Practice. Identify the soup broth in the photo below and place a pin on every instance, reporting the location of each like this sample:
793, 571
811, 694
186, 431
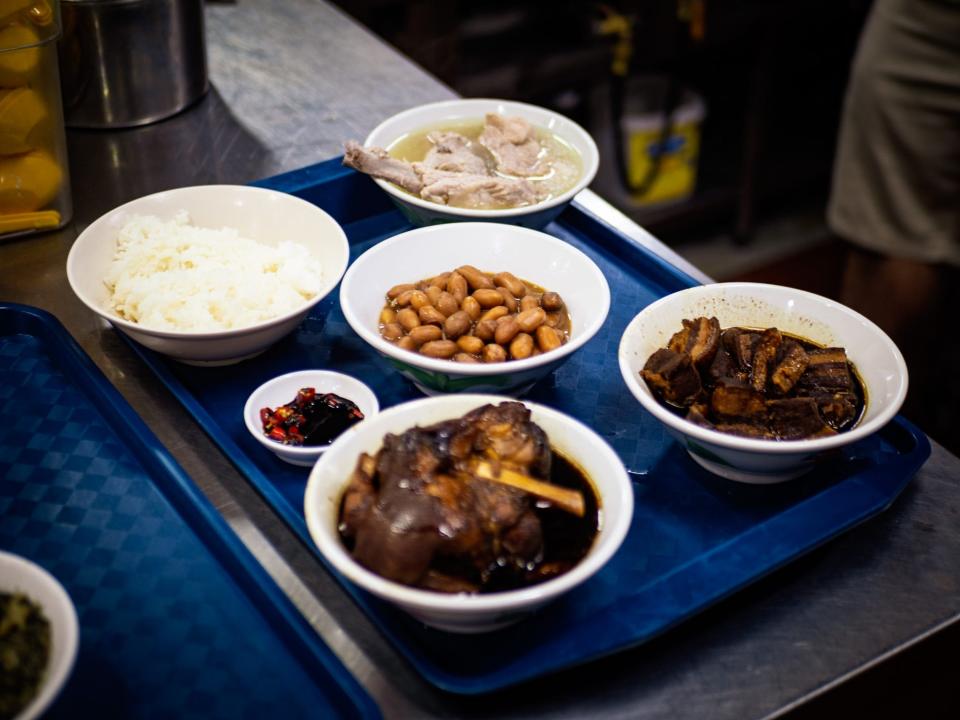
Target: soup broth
563, 162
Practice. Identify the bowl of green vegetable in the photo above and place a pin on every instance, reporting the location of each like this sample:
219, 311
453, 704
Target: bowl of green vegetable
39, 636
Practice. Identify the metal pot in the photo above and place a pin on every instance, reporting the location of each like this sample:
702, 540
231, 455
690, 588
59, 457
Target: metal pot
131, 62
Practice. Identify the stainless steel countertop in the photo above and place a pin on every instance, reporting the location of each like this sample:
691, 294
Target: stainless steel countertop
291, 81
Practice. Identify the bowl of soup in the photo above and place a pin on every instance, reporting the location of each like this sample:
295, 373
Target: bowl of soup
478, 159
760, 382
402, 506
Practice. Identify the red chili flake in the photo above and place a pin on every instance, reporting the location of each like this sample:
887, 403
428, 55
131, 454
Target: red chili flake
309, 419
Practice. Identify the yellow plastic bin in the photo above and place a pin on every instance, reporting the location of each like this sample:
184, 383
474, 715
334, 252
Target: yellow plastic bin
34, 180
642, 125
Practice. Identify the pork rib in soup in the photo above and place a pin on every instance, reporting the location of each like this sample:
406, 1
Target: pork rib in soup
501, 162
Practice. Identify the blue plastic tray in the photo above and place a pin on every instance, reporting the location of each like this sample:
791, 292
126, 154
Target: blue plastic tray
694, 539
177, 619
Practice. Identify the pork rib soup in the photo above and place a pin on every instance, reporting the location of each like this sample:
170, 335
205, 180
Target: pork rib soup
490, 164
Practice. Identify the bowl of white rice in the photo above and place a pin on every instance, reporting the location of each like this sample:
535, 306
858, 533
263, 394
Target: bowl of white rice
211, 274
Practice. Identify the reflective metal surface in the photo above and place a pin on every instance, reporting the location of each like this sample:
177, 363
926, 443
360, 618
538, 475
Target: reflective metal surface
131, 62
291, 81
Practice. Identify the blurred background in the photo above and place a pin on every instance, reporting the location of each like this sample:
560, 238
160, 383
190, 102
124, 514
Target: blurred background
717, 123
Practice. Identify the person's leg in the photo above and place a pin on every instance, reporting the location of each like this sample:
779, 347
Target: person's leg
896, 184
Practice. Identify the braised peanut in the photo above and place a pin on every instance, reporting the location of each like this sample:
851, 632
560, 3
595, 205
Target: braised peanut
457, 286
485, 330
470, 316
507, 329
471, 307
495, 313
457, 324
509, 301
393, 292
408, 319
392, 331
425, 333
547, 338
433, 292
511, 283
476, 279
429, 315
494, 353
387, 316
418, 299
528, 302
521, 346
447, 304
551, 301
470, 344
439, 349
530, 320
403, 299
488, 298
439, 281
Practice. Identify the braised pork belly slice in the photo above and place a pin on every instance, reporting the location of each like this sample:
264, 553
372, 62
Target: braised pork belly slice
791, 365
672, 376
797, 419
699, 338
827, 379
738, 403
764, 357
740, 344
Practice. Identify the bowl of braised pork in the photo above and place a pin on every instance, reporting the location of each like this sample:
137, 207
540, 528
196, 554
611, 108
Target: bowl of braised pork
760, 382
478, 159
474, 307
469, 512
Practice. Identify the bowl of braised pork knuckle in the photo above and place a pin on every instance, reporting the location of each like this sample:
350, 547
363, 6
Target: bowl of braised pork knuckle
469, 512
758, 382
474, 307
478, 159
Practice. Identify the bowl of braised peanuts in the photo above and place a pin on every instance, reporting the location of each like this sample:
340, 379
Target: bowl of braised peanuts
474, 307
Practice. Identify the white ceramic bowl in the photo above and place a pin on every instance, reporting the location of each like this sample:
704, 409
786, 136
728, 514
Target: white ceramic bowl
283, 389
266, 216
467, 613
816, 318
19, 575
529, 254
424, 212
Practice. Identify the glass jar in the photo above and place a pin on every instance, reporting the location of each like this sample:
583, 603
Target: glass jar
34, 176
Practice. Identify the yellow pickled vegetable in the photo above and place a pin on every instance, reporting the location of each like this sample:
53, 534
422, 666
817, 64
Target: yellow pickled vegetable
28, 182
11, 10
22, 112
18, 66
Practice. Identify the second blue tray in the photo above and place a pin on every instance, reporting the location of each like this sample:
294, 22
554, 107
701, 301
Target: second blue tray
694, 539
177, 619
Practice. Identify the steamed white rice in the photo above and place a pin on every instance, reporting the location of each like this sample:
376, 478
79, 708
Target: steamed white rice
171, 275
